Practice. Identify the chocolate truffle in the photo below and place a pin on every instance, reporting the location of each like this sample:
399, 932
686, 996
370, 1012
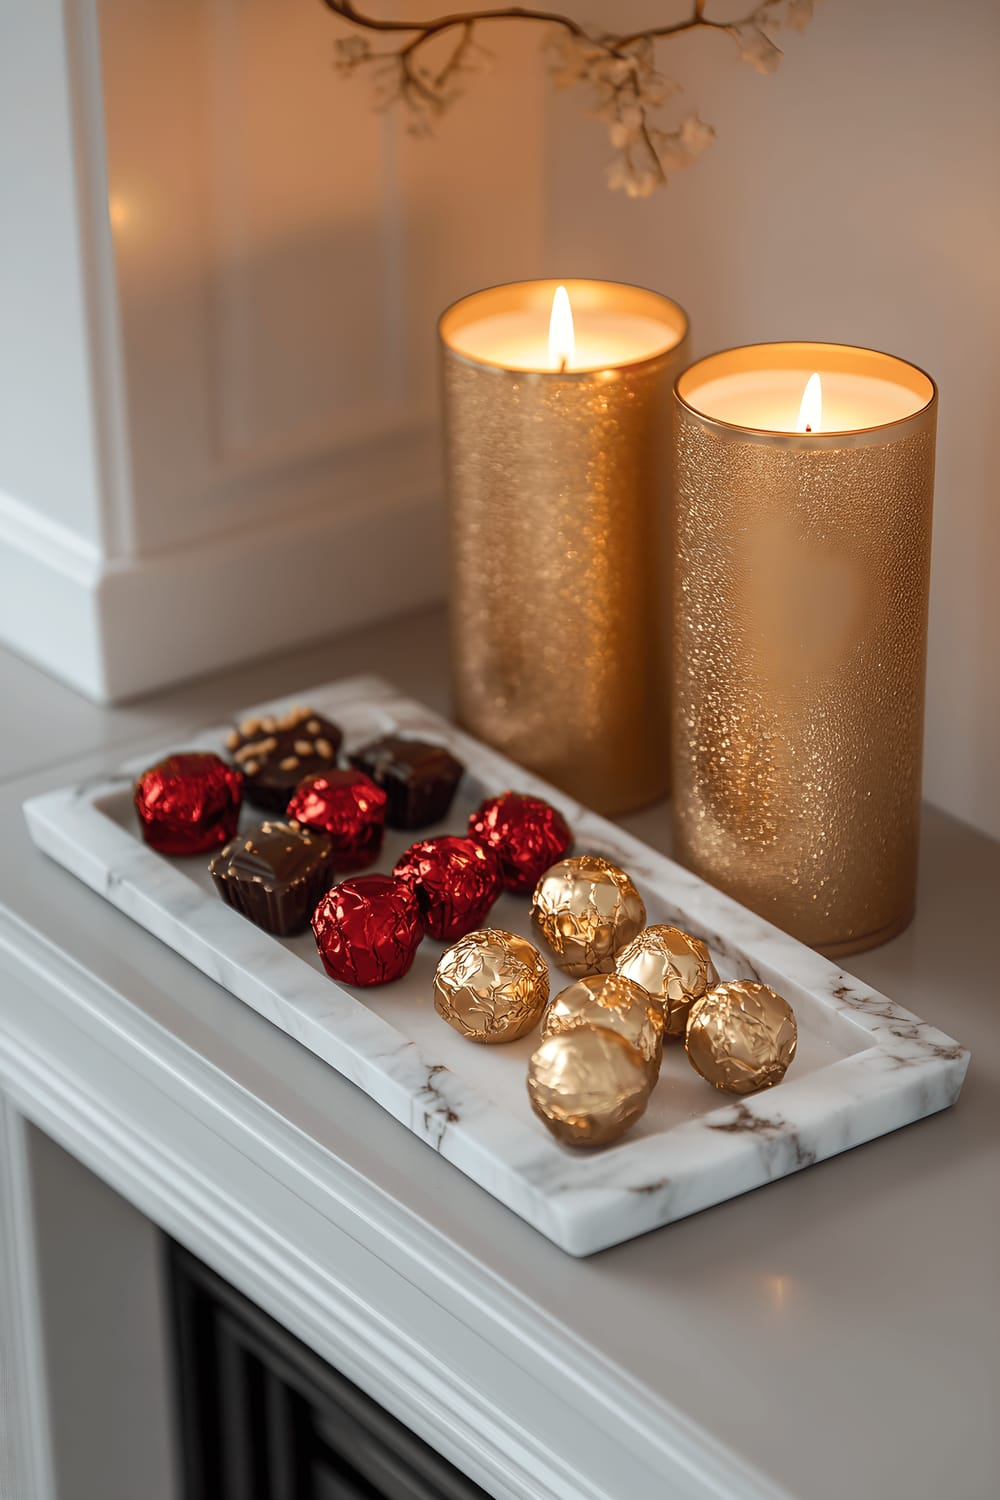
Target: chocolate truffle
455, 881
675, 969
491, 986
586, 909
276, 751
188, 803
588, 1086
741, 1037
419, 778
615, 1003
349, 808
525, 833
367, 930
274, 874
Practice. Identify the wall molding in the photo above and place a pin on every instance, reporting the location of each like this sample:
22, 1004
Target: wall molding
324, 562
109, 404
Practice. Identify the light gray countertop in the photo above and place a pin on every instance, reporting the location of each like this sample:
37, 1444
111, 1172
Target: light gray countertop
838, 1331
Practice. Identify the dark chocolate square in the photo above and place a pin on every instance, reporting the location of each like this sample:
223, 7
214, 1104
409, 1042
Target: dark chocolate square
418, 777
274, 875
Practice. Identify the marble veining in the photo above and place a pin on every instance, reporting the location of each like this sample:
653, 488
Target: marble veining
873, 1066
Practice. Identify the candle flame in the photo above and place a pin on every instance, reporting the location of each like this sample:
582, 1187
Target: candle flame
811, 410
562, 339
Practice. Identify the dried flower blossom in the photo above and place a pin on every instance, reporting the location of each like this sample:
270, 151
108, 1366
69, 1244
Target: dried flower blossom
351, 51
424, 66
800, 13
757, 48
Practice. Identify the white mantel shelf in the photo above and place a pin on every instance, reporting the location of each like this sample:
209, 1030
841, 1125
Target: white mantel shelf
837, 1333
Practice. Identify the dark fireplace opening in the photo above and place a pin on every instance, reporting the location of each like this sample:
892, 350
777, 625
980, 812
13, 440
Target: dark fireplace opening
261, 1417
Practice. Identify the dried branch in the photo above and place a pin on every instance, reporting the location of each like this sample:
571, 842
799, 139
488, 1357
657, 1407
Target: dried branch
627, 90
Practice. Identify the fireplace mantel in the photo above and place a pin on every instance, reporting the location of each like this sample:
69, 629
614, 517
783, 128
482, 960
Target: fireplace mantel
830, 1334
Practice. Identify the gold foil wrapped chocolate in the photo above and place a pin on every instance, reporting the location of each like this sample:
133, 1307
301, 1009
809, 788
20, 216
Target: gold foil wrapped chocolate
617, 1004
741, 1037
588, 1085
492, 986
586, 909
673, 967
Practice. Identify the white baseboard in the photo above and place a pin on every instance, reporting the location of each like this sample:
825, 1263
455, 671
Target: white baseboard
50, 583
119, 629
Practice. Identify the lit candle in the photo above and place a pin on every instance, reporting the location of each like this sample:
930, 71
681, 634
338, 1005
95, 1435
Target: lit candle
811, 405
802, 551
557, 417
769, 400
603, 329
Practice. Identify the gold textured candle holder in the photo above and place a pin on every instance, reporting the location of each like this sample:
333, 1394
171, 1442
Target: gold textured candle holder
558, 490
800, 632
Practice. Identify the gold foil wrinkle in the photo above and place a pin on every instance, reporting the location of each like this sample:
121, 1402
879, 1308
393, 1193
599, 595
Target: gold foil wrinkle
741, 1037
588, 1086
615, 1003
585, 909
491, 986
675, 969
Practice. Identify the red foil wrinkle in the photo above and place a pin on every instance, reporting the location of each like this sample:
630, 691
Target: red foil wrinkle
368, 930
526, 834
455, 881
188, 803
349, 808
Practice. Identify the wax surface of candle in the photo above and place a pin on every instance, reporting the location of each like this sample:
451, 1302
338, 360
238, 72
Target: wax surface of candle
770, 400
519, 340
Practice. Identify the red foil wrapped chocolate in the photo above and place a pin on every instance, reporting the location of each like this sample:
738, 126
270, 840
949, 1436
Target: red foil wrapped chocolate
349, 808
368, 930
188, 803
455, 881
526, 834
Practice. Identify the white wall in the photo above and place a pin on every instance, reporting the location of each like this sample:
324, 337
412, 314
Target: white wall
254, 260
282, 252
853, 196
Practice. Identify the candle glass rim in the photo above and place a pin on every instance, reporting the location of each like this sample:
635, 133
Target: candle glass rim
828, 438
667, 351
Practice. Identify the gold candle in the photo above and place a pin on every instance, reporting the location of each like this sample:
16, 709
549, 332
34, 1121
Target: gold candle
557, 430
804, 485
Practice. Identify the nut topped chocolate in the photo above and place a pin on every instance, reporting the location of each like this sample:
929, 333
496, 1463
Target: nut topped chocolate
276, 751
419, 778
275, 874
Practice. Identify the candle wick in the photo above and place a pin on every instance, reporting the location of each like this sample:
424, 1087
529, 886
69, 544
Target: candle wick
562, 365
808, 427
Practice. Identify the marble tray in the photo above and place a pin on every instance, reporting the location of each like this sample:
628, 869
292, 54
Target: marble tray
864, 1067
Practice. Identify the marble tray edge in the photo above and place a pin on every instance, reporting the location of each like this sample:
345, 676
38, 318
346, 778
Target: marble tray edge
910, 1070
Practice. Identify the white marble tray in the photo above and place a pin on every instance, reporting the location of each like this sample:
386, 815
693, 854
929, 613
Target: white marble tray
864, 1066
